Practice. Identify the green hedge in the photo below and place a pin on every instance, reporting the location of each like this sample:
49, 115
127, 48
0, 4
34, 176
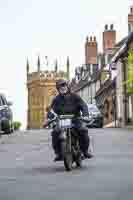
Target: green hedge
17, 125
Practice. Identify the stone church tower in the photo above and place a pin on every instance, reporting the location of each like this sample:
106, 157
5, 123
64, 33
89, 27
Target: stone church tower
41, 90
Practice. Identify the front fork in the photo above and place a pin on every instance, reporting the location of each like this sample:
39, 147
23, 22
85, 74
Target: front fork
69, 141
66, 137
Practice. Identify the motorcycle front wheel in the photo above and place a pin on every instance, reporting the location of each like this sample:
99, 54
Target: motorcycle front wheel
67, 156
68, 161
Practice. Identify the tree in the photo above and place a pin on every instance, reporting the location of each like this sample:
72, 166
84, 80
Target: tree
129, 81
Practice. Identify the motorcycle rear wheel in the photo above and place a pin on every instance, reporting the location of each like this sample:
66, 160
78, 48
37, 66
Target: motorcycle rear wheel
79, 161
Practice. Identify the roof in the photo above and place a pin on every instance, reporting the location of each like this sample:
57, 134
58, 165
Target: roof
120, 53
121, 42
83, 82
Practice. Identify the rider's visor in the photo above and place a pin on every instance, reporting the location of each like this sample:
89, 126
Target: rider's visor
62, 85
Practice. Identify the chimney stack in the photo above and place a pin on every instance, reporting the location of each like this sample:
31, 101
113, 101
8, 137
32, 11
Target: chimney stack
109, 38
91, 50
131, 10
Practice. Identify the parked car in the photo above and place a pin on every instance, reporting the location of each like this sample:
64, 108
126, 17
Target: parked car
96, 115
6, 115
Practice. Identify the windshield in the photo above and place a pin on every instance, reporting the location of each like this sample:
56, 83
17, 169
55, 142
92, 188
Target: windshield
92, 108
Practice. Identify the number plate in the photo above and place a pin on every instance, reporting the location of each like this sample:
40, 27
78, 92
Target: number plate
65, 123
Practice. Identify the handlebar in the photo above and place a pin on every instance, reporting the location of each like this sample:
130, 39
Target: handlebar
84, 119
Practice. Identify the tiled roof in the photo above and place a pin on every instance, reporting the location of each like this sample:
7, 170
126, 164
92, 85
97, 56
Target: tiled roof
123, 49
83, 82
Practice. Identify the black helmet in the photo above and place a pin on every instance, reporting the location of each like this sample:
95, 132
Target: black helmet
60, 83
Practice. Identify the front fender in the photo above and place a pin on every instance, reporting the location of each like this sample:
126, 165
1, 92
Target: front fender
63, 135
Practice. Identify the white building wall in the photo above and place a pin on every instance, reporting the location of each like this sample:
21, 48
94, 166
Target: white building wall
119, 93
130, 108
79, 92
93, 91
97, 85
89, 94
84, 94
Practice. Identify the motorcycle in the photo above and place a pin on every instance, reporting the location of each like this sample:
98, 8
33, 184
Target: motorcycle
70, 148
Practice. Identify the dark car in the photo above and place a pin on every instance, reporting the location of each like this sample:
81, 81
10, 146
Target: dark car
6, 116
96, 116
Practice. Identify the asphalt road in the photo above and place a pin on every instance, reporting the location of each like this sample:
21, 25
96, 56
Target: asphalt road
27, 170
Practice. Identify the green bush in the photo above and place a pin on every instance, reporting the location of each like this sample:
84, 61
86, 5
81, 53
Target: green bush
17, 125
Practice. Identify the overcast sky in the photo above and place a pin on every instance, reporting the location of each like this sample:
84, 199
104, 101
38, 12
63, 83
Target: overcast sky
53, 28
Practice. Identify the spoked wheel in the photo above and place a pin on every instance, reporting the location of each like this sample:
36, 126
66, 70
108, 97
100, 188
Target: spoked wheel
68, 161
67, 156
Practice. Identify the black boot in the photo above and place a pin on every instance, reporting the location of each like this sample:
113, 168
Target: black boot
87, 155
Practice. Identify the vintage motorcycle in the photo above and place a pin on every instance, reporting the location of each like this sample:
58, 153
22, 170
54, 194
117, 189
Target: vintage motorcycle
70, 148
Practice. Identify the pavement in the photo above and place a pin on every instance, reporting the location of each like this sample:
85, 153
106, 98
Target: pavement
113, 124
27, 170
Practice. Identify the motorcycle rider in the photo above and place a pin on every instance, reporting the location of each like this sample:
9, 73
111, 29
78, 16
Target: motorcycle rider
67, 102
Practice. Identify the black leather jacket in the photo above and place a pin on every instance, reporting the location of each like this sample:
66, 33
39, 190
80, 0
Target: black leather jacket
70, 103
